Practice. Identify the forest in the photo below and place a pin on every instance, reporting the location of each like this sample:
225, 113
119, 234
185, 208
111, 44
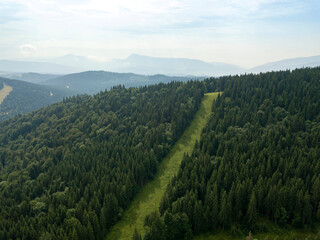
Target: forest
258, 159
68, 171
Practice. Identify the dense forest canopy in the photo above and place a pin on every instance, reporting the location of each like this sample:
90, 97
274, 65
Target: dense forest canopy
258, 158
69, 170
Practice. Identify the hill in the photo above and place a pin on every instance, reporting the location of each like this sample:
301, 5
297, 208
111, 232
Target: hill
69, 170
286, 64
148, 199
26, 97
172, 66
92, 82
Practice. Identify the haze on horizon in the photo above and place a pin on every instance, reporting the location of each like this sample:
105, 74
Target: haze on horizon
246, 33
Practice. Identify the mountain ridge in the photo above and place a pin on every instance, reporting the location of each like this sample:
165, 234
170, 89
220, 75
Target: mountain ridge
91, 82
34, 66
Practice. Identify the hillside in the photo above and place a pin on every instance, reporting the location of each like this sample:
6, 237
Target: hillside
69, 170
148, 199
4, 92
26, 97
92, 82
258, 161
90, 166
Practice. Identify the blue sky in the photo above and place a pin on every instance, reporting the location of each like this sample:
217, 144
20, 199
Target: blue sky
242, 32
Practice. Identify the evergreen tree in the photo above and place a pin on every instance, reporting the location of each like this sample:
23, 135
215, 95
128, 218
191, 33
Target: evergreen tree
252, 213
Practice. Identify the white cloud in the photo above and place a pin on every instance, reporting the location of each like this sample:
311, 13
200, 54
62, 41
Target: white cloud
124, 14
27, 49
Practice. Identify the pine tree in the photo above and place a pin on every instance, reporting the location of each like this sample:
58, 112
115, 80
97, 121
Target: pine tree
199, 220
307, 209
252, 213
224, 210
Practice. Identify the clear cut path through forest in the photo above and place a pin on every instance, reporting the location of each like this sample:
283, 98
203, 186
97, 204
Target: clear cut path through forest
148, 199
4, 92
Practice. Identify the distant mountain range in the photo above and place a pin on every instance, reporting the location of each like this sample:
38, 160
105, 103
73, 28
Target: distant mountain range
172, 66
75, 62
145, 65
92, 82
29, 77
38, 67
285, 64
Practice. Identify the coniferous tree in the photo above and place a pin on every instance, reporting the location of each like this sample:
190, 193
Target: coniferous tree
252, 213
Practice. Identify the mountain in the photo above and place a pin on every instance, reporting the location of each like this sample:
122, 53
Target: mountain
92, 82
29, 77
73, 169
146, 65
285, 64
26, 97
38, 67
79, 62
140, 64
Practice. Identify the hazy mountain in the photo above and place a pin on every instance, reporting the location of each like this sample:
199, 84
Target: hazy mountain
140, 64
91, 82
29, 77
26, 97
78, 62
38, 67
285, 64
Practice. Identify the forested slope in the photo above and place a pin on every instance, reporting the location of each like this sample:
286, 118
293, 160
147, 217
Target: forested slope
148, 199
92, 82
26, 97
67, 171
258, 159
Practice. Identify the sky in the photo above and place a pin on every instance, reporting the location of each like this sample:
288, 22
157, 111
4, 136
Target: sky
242, 32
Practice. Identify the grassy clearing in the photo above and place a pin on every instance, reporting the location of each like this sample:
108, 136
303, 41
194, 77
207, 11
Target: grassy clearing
5, 91
148, 200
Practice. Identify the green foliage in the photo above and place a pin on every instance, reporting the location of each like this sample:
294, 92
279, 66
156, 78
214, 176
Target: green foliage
68, 171
149, 198
258, 157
